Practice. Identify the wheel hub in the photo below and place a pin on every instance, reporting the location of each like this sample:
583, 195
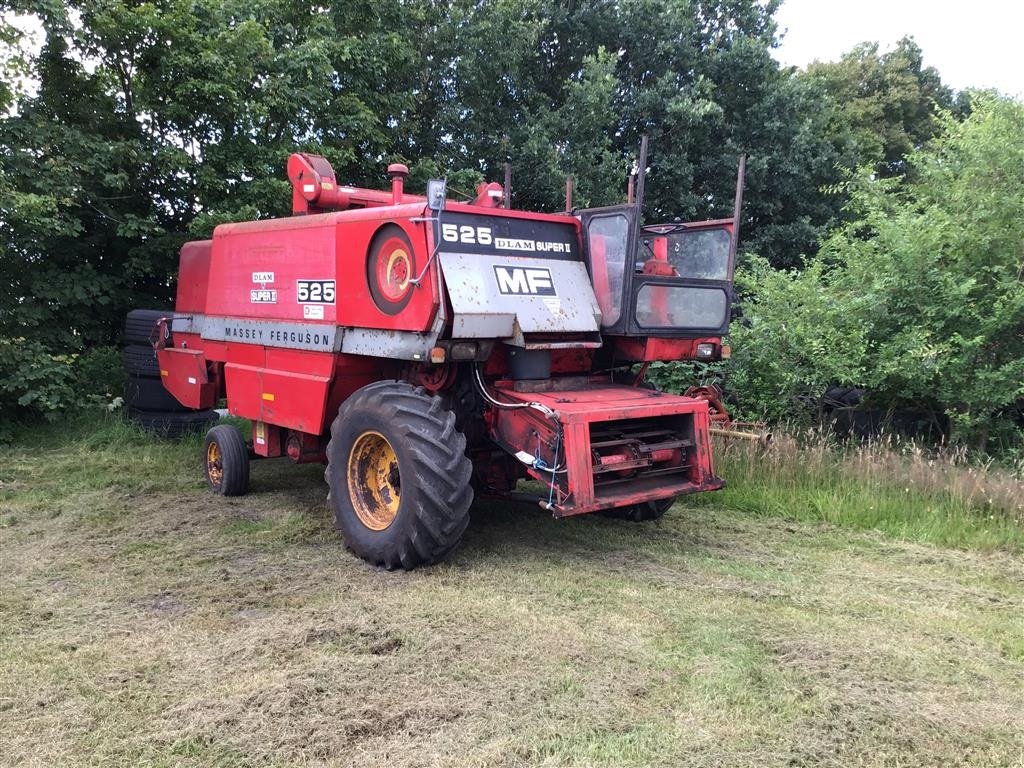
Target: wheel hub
214, 463
374, 481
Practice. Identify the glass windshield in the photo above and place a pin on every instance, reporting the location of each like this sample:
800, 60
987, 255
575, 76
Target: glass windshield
701, 254
669, 306
607, 238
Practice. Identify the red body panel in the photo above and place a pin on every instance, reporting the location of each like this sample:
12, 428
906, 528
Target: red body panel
580, 413
283, 398
193, 276
186, 375
648, 348
328, 246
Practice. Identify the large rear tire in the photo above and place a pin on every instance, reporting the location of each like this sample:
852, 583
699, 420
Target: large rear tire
399, 477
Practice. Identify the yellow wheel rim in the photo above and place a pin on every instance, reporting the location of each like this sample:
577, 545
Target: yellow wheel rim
214, 463
373, 481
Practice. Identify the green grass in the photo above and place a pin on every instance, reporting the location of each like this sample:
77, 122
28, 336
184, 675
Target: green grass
899, 490
144, 621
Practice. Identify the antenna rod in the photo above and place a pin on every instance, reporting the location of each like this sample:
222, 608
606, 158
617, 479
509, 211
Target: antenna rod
641, 174
568, 193
741, 176
507, 201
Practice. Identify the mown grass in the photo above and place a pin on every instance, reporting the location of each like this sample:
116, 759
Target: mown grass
144, 621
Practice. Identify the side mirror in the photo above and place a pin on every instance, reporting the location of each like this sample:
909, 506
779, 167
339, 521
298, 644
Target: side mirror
437, 190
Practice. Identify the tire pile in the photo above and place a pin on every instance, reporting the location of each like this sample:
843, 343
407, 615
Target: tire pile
146, 401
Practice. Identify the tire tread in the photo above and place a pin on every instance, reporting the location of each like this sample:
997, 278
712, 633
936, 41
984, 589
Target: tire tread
234, 457
139, 325
440, 512
140, 360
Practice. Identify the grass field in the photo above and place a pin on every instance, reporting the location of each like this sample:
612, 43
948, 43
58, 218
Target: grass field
144, 621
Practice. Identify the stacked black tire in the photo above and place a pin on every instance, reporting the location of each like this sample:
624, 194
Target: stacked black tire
146, 401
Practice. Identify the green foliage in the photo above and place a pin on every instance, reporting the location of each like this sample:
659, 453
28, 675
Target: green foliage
796, 340
154, 122
919, 298
879, 107
32, 379
34, 382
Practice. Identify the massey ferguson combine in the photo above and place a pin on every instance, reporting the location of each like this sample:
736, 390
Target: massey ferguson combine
430, 352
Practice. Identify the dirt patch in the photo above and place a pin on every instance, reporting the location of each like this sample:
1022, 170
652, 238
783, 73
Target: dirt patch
354, 639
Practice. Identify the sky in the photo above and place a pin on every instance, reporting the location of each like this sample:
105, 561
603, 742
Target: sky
972, 44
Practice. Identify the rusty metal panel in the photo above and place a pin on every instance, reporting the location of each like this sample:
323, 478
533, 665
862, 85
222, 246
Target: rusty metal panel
499, 297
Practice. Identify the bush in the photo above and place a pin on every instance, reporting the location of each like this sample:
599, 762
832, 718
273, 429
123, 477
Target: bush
36, 383
919, 299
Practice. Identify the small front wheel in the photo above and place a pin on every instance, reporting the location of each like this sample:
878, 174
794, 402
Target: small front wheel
226, 461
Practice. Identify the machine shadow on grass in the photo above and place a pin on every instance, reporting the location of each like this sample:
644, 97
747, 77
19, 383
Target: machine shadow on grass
510, 530
498, 530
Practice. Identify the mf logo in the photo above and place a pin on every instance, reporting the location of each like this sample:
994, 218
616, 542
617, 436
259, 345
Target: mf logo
524, 281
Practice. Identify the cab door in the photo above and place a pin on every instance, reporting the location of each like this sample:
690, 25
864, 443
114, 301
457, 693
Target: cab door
610, 245
682, 285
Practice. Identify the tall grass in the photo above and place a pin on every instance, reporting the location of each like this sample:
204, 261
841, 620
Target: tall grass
901, 488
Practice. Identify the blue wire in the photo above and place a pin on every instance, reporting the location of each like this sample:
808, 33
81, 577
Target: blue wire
551, 482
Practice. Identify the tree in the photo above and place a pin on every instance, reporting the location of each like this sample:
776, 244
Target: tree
880, 107
576, 85
154, 121
920, 297
183, 117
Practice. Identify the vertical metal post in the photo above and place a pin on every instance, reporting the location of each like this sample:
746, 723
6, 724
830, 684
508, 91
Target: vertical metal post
568, 193
641, 174
737, 210
507, 199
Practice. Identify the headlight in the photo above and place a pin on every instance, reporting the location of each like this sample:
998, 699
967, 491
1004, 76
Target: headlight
705, 351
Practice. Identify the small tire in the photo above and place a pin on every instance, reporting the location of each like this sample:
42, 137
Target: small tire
399, 476
645, 510
140, 325
147, 393
226, 461
140, 360
172, 425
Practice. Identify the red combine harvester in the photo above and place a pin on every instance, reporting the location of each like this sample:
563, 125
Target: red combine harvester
430, 352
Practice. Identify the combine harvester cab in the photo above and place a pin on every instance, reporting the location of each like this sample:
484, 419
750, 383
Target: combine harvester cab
430, 351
